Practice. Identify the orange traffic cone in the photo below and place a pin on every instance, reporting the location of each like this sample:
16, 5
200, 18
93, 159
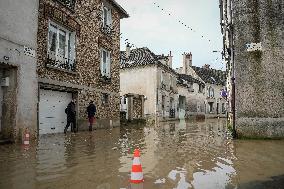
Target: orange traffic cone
136, 173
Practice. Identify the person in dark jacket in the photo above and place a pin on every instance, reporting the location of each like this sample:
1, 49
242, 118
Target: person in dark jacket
91, 110
71, 116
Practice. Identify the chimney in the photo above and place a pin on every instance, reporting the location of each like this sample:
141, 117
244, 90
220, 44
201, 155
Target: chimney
206, 66
187, 62
127, 51
170, 61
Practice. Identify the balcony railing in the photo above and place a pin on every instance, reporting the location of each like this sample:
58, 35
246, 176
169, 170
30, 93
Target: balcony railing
60, 63
107, 30
68, 3
172, 113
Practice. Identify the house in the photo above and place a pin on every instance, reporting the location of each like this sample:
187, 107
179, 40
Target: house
199, 90
78, 58
145, 73
215, 81
19, 88
191, 90
191, 97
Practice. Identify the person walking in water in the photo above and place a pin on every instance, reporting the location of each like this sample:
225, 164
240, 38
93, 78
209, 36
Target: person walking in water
91, 110
71, 116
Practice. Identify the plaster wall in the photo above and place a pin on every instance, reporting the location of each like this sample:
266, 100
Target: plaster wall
142, 81
18, 29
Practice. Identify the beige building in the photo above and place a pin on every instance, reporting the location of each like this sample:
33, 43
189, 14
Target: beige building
144, 73
200, 88
215, 81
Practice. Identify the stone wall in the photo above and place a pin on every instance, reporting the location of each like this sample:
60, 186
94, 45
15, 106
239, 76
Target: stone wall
89, 40
137, 108
260, 73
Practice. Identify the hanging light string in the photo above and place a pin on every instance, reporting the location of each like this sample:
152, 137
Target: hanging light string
127, 41
179, 20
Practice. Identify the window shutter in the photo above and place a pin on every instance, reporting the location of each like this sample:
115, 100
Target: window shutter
102, 62
108, 63
102, 13
109, 21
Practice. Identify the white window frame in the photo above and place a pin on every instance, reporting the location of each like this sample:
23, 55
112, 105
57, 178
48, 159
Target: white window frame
70, 49
105, 66
107, 21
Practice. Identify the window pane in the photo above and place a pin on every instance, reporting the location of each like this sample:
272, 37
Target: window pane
62, 43
104, 56
52, 40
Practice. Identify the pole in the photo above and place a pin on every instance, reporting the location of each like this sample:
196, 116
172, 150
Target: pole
234, 108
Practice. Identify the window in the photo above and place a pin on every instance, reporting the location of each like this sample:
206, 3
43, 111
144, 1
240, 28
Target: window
107, 19
210, 92
200, 89
162, 78
105, 98
223, 108
105, 63
61, 46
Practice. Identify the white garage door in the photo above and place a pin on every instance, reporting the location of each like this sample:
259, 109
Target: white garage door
52, 117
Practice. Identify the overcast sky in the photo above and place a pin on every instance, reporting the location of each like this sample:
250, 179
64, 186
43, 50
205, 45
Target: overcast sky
149, 26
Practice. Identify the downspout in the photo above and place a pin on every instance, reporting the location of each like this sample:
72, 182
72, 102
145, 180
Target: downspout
233, 73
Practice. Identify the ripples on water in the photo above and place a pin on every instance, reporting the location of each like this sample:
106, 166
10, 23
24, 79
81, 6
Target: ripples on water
177, 155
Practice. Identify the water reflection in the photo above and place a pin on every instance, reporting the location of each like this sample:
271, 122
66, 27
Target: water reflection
173, 155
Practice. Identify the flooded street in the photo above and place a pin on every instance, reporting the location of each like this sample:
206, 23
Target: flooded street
173, 155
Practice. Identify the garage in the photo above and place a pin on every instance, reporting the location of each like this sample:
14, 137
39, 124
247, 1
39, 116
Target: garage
52, 117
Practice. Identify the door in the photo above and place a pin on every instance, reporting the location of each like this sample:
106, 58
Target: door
217, 108
52, 117
181, 107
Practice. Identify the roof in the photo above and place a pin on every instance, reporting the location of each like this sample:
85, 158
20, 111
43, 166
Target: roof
123, 12
189, 78
212, 76
142, 57
139, 56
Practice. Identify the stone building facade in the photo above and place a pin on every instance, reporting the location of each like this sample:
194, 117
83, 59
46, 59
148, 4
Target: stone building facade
201, 87
253, 51
142, 72
19, 89
78, 57
215, 81
189, 90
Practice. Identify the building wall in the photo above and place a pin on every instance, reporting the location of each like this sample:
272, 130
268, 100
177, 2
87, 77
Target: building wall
18, 30
194, 100
137, 108
216, 99
165, 93
87, 80
259, 74
142, 81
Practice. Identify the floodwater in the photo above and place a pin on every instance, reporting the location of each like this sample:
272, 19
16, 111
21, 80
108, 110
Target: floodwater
176, 155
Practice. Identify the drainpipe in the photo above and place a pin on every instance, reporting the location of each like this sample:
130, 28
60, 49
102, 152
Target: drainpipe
233, 72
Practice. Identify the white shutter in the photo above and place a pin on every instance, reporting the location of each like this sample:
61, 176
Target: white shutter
102, 62
108, 64
102, 9
109, 18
